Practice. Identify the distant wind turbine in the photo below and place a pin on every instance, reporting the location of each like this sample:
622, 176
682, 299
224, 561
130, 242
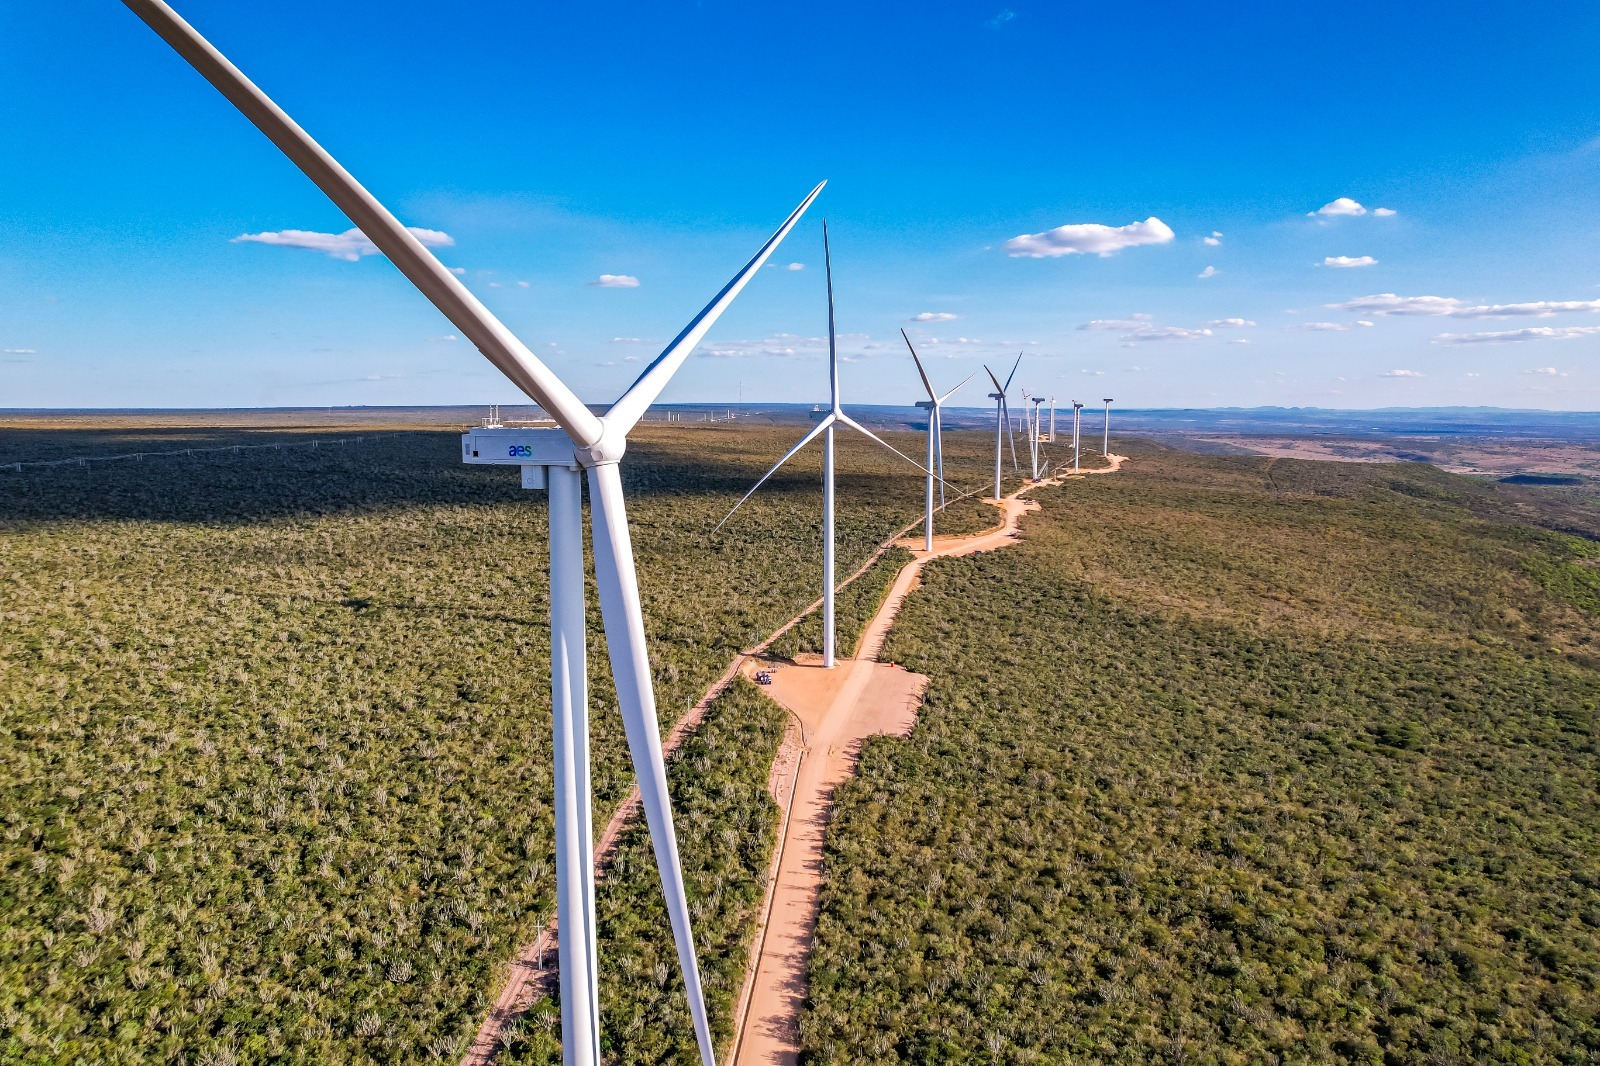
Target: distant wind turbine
934, 405
1077, 427
1002, 421
585, 444
1105, 441
835, 416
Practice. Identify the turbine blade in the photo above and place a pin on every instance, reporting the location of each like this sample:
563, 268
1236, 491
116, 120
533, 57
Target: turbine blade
631, 406
807, 439
1011, 435
957, 389
997, 386
924, 373
442, 288
859, 428
630, 668
1013, 371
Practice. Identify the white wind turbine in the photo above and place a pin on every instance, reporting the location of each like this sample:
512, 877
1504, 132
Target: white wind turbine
835, 416
1077, 427
934, 405
1002, 420
1037, 435
548, 457
1105, 441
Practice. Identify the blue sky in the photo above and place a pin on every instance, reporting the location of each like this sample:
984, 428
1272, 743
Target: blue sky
554, 144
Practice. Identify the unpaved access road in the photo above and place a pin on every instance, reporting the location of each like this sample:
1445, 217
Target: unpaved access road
836, 710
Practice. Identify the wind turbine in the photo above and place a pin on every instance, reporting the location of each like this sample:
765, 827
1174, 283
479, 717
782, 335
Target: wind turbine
1105, 442
1052, 420
1002, 420
585, 444
934, 405
835, 416
1077, 426
1038, 433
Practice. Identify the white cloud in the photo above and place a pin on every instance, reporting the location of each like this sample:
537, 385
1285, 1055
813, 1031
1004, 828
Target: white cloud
458, 271
1088, 238
795, 266
1327, 327
1213, 240
1349, 261
1401, 374
1531, 333
1229, 323
616, 281
1140, 328
1384, 212
1387, 303
626, 340
1537, 309
1208, 272
522, 285
1342, 206
1548, 371
447, 338
21, 351
1240, 340
350, 245
934, 316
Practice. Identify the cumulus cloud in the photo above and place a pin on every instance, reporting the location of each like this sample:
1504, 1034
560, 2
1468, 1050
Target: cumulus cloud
616, 281
795, 266
1213, 240
1536, 309
1140, 328
934, 316
1511, 336
1088, 238
1349, 261
522, 285
1348, 208
1328, 327
1229, 323
350, 245
1208, 272
21, 351
458, 271
1389, 304
1401, 374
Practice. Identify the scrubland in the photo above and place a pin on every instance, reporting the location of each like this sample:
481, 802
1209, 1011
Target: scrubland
1235, 760
274, 773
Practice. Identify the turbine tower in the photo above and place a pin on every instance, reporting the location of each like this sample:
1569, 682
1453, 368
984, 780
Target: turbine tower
1052, 420
584, 445
934, 405
1037, 436
1105, 441
835, 416
1077, 428
1002, 421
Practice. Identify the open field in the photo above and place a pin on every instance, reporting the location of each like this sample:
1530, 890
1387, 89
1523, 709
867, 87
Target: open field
274, 773
1234, 760
1262, 740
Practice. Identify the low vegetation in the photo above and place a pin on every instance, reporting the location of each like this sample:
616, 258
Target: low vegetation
1233, 761
274, 729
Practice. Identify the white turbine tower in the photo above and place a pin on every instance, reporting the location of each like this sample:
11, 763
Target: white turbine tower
1002, 421
585, 443
835, 416
1105, 441
934, 405
1037, 436
1077, 427
1052, 420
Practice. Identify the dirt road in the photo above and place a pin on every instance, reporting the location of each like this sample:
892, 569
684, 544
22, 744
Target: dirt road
836, 710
